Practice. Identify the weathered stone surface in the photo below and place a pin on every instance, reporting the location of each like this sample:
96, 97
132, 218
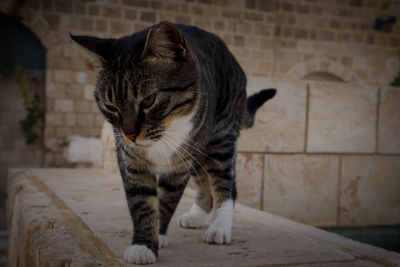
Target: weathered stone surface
342, 118
62, 76
64, 105
86, 209
109, 156
249, 172
43, 231
83, 150
89, 92
302, 188
389, 121
369, 190
280, 124
357, 263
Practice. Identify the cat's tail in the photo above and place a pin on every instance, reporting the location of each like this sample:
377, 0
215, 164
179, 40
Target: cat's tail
253, 103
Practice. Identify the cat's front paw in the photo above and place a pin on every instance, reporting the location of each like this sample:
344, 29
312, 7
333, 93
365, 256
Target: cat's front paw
219, 231
195, 218
218, 234
190, 220
139, 254
162, 241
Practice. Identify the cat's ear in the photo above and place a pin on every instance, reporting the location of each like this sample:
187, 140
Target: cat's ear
165, 41
101, 47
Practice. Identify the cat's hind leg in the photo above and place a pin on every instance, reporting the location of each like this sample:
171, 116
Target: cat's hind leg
219, 231
198, 214
223, 187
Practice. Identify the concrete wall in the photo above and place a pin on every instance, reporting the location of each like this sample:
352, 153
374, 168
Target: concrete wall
309, 142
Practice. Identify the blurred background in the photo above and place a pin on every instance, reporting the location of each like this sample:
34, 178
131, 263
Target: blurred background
325, 151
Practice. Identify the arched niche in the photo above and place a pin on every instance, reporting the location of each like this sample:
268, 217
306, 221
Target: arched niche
19, 45
323, 69
22, 63
322, 76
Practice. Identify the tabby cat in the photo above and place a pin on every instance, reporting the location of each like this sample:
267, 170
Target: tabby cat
176, 98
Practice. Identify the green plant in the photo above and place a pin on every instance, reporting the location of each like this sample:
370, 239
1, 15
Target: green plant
31, 101
396, 81
34, 114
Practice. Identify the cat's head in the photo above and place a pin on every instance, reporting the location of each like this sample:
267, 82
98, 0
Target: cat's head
147, 81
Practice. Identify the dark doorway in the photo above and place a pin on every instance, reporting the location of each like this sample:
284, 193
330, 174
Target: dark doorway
22, 83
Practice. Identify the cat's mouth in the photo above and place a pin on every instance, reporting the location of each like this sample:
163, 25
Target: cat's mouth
138, 140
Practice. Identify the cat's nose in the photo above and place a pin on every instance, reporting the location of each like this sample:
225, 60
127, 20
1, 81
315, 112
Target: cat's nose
131, 137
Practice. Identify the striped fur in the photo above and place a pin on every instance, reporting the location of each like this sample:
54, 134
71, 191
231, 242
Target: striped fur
177, 100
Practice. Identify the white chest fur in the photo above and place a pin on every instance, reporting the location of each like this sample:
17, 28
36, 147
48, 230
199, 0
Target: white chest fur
160, 153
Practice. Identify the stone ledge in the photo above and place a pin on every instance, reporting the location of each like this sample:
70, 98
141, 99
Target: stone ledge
79, 217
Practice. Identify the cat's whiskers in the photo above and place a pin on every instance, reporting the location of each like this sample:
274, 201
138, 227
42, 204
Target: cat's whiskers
197, 174
184, 137
199, 146
195, 143
195, 148
181, 157
193, 157
163, 152
201, 93
163, 126
194, 116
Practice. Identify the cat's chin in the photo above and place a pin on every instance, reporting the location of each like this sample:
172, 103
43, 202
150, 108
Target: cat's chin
144, 143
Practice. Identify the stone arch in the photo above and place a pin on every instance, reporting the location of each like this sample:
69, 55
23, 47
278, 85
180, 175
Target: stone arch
38, 24
53, 40
18, 41
20, 46
322, 76
324, 66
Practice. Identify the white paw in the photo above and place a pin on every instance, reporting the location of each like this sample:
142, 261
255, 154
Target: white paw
190, 220
195, 218
139, 254
162, 241
219, 231
218, 234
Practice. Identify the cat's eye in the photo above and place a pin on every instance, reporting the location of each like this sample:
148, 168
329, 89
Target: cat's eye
148, 101
112, 108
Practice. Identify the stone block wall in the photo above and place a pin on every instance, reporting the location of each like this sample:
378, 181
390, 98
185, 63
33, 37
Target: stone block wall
325, 153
